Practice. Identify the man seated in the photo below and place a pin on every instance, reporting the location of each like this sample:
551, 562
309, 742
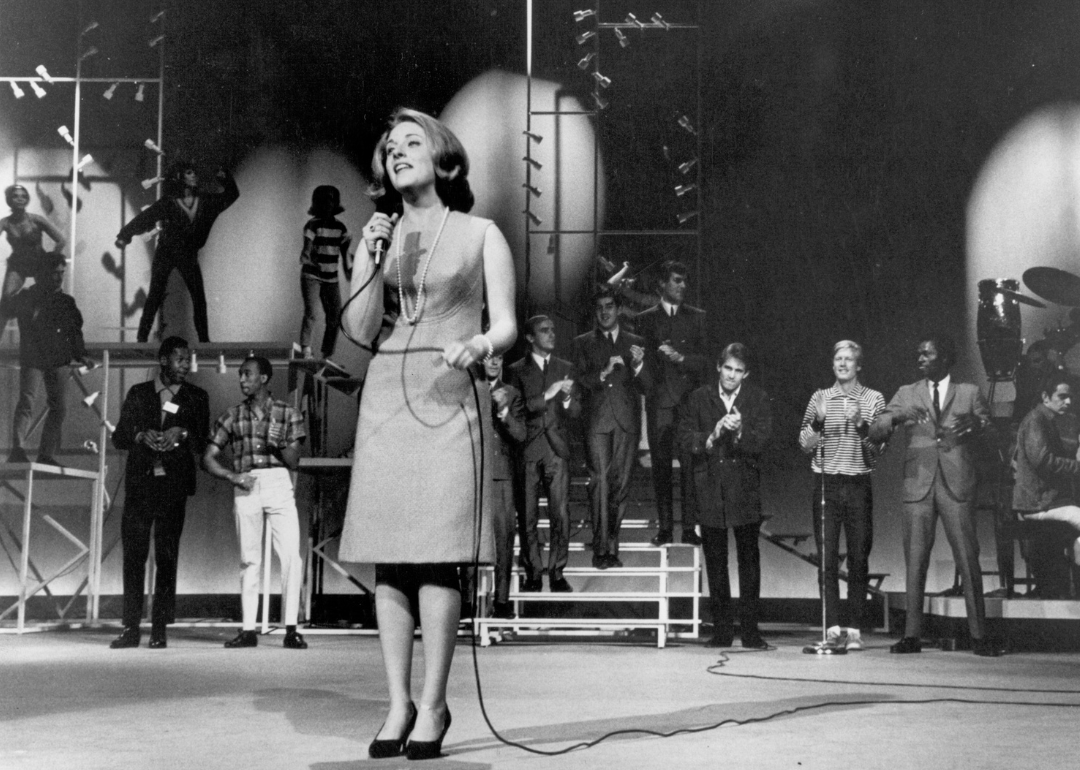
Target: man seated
1046, 474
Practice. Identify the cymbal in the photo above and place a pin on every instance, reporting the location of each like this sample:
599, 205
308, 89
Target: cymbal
1058, 286
1022, 298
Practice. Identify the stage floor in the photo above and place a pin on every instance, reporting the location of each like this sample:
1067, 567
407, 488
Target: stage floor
67, 700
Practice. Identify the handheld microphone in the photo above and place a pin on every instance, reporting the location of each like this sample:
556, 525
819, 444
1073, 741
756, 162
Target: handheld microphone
391, 207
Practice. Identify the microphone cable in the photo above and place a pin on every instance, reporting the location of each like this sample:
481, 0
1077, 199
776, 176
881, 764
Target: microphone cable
349, 301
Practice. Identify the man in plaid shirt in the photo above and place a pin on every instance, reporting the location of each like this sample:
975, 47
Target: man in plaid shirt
263, 436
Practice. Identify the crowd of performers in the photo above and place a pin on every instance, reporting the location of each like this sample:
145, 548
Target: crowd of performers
438, 314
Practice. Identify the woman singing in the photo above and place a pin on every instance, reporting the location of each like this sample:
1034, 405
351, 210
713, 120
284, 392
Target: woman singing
419, 498
24, 231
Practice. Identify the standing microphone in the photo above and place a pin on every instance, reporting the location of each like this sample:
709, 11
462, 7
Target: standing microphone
384, 204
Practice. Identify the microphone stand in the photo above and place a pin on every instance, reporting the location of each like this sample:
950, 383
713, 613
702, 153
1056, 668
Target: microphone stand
824, 647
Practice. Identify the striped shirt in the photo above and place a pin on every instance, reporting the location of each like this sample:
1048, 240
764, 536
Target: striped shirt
847, 451
325, 242
250, 432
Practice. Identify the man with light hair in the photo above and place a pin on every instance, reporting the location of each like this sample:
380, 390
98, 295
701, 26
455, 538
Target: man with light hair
835, 433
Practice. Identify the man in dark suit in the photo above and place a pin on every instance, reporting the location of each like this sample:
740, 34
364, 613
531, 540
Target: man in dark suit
163, 426
610, 364
50, 338
675, 345
508, 421
945, 420
725, 427
548, 389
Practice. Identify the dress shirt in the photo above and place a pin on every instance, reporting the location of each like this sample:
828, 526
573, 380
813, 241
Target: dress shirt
728, 399
942, 389
669, 308
250, 430
166, 393
613, 337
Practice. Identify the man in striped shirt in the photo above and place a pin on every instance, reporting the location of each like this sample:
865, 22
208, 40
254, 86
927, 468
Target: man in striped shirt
834, 432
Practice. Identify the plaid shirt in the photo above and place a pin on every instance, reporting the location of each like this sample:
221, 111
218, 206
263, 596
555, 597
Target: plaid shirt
249, 433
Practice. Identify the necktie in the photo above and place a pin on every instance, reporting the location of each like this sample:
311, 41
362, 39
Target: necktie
544, 368
610, 341
937, 403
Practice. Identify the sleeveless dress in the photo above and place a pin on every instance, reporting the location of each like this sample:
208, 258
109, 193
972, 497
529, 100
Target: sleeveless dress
417, 485
26, 247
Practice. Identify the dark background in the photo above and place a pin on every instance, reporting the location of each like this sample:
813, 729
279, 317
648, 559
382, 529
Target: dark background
839, 141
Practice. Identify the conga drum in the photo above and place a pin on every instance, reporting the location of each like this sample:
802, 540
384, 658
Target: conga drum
998, 327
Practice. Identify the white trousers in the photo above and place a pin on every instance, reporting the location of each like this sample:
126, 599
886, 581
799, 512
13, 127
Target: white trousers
1070, 514
270, 501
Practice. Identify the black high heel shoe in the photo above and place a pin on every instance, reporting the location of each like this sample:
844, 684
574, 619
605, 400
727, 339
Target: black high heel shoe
393, 747
428, 749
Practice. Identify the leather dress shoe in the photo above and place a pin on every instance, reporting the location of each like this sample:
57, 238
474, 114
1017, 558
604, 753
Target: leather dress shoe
129, 637
502, 610
428, 749
18, 457
560, 586
663, 537
532, 585
393, 747
690, 537
613, 561
907, 645
722, 639
158, 640
47, 460
600, 561
987, 648
752, 640
243, 639
294, 641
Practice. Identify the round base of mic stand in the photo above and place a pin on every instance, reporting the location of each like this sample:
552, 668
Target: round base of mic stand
824, 648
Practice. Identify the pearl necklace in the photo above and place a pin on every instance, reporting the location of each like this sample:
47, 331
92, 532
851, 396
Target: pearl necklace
420, 296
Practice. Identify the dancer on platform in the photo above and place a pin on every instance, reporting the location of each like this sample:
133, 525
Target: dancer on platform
23, 231
420, 502
326, 243
50, 339
186, 216
263, 435
163, 425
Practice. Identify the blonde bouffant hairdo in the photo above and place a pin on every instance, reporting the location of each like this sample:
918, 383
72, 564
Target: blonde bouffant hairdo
448, 154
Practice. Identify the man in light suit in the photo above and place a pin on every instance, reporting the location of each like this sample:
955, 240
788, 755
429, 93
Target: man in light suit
163, 426
675, 346
725, 426
508, 423
945, 419
548, 389
610, 363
